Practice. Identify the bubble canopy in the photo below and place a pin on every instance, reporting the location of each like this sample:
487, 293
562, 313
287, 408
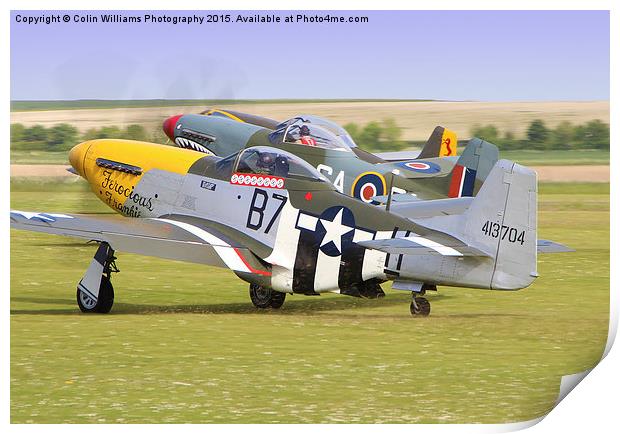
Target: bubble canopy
331, 126
273, 162
312, 131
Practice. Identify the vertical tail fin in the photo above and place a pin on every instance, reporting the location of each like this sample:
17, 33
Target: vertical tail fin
441, 143
501, 221
472, 168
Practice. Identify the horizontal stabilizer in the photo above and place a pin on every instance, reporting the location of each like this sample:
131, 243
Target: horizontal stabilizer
546, 246
416, 245
397, 197
441, 143
431, 208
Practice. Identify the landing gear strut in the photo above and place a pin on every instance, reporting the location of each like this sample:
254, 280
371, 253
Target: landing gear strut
95, 293
264, 297
420, 306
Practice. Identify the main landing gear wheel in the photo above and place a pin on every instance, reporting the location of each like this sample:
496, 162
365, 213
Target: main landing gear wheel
263, 297
103, 304
420, 306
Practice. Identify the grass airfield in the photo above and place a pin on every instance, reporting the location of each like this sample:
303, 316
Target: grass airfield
184, 344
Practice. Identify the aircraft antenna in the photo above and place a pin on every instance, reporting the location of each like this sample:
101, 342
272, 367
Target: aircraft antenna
395, 172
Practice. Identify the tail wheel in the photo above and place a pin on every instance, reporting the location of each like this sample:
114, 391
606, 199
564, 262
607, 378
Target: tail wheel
103, 304
420, 307
264, 297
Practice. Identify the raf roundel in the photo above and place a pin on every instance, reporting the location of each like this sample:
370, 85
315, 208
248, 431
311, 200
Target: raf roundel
421, 166
367, 185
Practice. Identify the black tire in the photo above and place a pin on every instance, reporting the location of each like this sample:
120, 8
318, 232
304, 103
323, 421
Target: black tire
260, 296
277, 299
264, 297
106, 296
103, 304
420, 307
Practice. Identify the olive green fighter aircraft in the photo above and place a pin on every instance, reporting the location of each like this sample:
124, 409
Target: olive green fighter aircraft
281, 226
330, 149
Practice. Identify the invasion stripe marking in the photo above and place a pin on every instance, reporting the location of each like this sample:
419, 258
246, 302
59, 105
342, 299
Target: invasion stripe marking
400, 257
387, 257
440, 248
227, 253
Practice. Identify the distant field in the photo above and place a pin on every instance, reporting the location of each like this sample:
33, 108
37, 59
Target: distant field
107, 104
416, 118
183, 343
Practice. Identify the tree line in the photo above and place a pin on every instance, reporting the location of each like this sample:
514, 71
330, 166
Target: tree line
591, 135
63, 137
383, 135
386, 135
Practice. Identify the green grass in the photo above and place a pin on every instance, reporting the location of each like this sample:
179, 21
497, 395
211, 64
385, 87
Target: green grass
39, 157
107, 104
558, 157
44, 184
183, 343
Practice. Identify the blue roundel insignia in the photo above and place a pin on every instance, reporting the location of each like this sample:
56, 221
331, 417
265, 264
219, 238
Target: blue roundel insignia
420, 166
367, 185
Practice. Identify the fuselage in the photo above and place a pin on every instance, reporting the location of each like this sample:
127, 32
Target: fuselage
353, 172
303, 234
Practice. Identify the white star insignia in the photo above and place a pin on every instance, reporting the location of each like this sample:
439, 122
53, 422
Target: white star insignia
334, 230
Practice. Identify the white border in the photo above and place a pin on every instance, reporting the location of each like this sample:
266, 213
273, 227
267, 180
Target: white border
593, 405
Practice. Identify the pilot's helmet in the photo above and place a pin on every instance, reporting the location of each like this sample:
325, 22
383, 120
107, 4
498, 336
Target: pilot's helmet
304, 130
266, 159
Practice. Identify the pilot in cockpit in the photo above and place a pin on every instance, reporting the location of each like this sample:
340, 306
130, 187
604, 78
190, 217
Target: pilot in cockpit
272, 164
304, 137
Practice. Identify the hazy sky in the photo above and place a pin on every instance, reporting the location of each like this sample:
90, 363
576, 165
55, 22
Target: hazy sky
458, 55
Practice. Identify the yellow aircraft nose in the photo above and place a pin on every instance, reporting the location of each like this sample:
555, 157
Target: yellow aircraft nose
77, 154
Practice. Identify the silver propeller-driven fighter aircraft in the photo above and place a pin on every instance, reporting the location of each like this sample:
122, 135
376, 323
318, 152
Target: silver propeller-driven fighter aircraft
280, 225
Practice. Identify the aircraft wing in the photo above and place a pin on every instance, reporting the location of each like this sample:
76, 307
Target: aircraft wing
417, 169
398, 155
160, 237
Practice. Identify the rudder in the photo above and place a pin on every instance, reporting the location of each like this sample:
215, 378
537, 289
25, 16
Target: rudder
441, 143
502, 221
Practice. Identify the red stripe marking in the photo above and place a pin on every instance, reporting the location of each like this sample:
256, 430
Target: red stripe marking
455, 182
253, 270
